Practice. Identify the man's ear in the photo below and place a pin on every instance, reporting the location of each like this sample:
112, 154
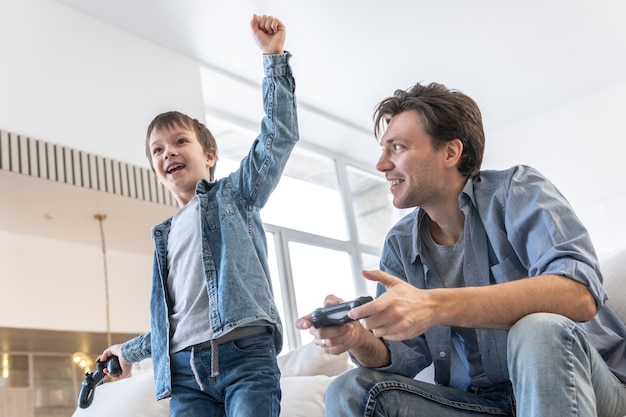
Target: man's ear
454, 150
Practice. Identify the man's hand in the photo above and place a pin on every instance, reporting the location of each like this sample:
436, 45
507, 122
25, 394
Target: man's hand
332, 339
269, 33
367, 349
402, 312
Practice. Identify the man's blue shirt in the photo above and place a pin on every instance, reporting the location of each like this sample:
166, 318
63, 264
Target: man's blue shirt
517, 225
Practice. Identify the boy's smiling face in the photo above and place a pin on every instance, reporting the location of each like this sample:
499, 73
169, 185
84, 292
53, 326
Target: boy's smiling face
179, 161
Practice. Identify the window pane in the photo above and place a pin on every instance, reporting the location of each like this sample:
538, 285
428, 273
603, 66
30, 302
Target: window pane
277, 288
225, 166
318, 272
370, 262
308, 198
372, 202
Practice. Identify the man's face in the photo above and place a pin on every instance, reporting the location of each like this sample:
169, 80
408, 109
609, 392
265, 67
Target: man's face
410, 162
179, 161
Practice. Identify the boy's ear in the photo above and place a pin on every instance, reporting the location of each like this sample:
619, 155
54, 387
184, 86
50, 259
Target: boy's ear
211, 158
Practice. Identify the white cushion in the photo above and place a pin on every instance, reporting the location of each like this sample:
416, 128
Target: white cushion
306, 372
614, 273
303, 396
310, 360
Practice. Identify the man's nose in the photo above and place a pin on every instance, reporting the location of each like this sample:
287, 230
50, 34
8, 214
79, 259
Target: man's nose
383, 164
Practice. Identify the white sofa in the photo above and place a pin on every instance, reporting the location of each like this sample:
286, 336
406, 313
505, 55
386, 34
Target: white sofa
306, 371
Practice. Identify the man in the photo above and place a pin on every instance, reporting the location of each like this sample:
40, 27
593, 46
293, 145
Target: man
492, 278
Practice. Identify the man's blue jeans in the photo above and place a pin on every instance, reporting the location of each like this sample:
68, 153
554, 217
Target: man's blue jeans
554, 372
248, 384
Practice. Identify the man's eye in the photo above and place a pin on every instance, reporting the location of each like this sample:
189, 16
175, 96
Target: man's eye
396, 147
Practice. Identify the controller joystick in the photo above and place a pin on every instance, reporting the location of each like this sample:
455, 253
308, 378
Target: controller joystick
93, 379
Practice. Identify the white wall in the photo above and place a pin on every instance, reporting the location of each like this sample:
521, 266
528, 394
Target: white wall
48, 284
65, 77
579, 146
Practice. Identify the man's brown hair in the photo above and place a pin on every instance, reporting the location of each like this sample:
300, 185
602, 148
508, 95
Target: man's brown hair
446, 115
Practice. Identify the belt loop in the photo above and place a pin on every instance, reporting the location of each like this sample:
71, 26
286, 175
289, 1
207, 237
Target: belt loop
215, 360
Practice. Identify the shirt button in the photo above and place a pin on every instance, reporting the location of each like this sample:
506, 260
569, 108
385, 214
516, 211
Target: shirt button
442, 354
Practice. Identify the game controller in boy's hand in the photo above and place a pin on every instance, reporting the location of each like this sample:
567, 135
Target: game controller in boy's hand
93, 379
336, 314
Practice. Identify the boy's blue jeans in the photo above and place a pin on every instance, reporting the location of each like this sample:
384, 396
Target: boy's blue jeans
248, 384
553, 368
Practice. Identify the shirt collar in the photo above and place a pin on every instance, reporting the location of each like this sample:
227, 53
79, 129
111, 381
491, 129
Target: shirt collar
468, 191
203, 186
416, 247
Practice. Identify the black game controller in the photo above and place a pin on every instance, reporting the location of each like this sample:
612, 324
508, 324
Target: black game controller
337, 314
93, 379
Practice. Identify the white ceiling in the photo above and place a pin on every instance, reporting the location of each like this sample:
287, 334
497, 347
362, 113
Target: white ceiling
515, 58
518, 59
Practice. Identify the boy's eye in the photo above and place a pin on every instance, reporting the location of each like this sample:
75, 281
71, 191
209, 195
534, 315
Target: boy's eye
156, 151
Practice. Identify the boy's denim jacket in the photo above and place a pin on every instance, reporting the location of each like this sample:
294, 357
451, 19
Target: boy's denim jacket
234, 248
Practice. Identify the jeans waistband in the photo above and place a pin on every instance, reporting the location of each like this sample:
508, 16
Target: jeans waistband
235, 334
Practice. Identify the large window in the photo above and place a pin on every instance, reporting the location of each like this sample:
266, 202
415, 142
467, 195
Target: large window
325, 222
308, 190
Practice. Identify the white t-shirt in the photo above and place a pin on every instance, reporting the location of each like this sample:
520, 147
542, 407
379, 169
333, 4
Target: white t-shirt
189, 318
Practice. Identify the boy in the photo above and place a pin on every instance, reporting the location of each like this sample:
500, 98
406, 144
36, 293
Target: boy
215, 332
